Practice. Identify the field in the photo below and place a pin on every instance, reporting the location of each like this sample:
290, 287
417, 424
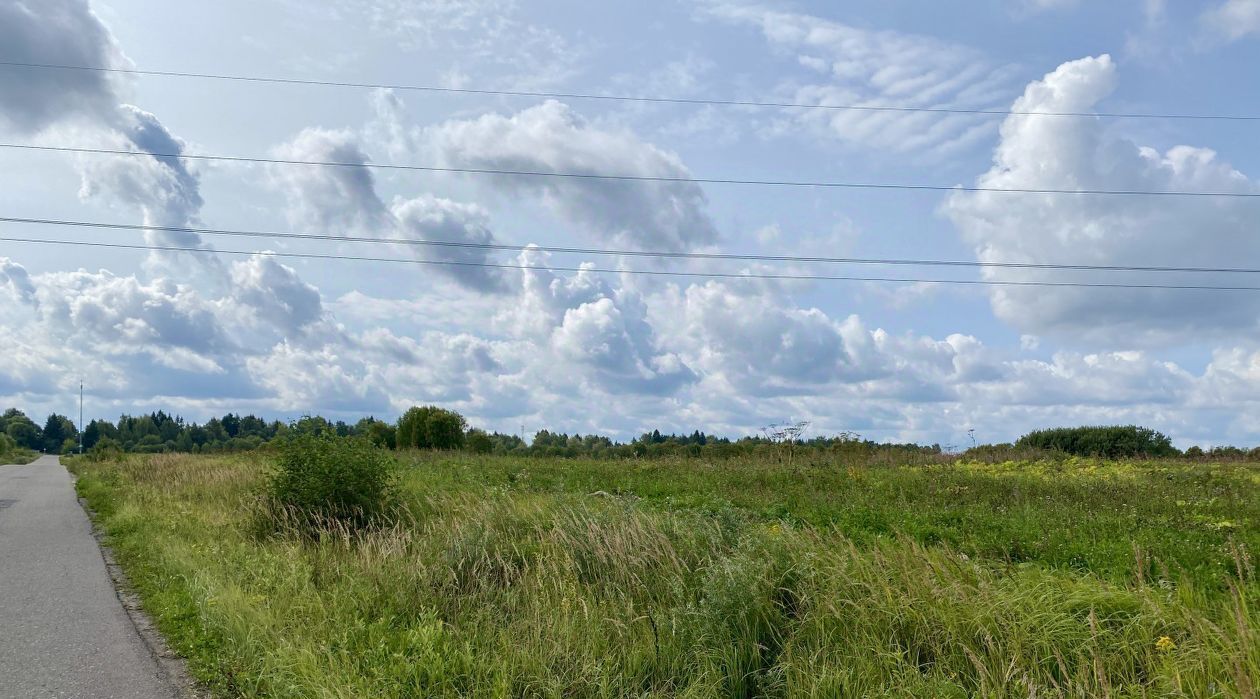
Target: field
524, 577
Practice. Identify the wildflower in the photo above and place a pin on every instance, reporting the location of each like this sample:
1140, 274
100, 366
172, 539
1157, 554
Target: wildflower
1165, 645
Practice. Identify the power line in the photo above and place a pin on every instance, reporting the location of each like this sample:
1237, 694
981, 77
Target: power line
663, 273
630, 178
622, 98
279, 235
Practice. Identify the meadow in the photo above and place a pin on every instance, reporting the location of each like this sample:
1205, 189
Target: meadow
507, 576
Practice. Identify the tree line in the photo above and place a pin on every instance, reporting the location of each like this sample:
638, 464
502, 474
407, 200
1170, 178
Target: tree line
433, 427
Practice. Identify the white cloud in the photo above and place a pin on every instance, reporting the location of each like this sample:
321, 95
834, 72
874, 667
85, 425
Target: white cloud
764, 345
433, 219
849, 65
552, 138
67, 32
121, 313
64, 32
1046, 153
329, 376
487, 38
617, 347
344, 201
583, 322
275, 295
341, 200
1232, 19
16, 280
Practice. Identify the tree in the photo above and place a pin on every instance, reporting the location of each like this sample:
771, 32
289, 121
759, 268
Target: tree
430, 427
96, 431
1109, 441
479, 442
24, 432
380, 434
231, 424
57, 429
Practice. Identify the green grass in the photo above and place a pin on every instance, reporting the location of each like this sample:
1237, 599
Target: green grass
518, 577
18, 456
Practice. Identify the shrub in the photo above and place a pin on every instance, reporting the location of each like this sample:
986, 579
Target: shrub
1105, 441
479, 442
996, 453
381, 434
106, 449
322, 476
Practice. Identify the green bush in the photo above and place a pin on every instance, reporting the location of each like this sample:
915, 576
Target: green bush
325, 477
430, 427
1114, 441
479, 442
381, 434
106, 449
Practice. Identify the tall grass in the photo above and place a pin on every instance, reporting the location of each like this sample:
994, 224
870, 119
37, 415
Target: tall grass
531, 586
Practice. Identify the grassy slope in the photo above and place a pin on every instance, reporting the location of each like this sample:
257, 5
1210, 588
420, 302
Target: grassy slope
708, 580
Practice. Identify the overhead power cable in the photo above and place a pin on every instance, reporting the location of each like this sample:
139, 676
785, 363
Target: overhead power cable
631, 178
619, 98
662, 273
284, 235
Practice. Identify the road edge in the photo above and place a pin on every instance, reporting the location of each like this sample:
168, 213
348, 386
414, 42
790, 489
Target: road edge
172, 666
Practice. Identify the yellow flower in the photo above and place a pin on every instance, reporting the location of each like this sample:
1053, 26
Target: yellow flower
1165, 645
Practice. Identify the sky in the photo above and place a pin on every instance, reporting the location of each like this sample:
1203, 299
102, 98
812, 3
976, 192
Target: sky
545, 339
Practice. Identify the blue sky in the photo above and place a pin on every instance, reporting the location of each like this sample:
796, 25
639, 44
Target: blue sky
613, 353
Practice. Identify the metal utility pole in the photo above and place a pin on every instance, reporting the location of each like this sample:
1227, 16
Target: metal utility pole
80, 416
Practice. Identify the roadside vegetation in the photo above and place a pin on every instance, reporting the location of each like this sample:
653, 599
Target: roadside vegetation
841, 574
11, 453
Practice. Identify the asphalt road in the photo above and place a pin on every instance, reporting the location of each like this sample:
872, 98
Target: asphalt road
63, 631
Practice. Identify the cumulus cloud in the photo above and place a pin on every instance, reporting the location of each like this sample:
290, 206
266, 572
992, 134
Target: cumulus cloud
345, 201
68, 32
765, 345
16, 280
161, 187
64, 32
1042, 153
584, 322
275, 294
552, 138
329, 199
1232, 20
329, 376
462, 226
124, 317
848, 65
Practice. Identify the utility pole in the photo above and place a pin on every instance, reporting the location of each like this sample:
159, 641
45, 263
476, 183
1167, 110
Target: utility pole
80, 416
